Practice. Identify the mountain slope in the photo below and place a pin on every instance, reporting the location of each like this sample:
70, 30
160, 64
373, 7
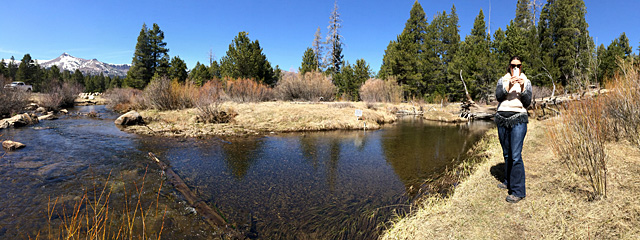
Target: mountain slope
87, 67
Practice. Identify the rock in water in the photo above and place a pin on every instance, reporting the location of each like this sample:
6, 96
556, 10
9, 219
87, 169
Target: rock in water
129, 118
11, 145
19, 120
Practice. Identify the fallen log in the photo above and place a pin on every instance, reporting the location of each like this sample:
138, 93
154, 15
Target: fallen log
209, 215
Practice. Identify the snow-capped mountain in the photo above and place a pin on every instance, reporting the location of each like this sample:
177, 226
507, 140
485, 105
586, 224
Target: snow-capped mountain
87, 67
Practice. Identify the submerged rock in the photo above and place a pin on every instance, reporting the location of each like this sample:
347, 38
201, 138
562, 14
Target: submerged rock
19, 120
129, 118
49, 116
11, 145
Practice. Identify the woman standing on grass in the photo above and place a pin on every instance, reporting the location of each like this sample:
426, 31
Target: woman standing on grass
514, 96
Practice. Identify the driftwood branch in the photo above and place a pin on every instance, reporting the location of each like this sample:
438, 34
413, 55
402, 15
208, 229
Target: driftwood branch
466, 92
211, 216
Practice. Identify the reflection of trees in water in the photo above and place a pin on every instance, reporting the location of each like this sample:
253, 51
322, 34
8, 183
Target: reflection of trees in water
316, 147
417, 151
240, 154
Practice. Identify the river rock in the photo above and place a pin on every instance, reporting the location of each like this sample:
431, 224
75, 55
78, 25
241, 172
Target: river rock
129, 118
11, 145
19, 120
41, 110
49, 116
65, 111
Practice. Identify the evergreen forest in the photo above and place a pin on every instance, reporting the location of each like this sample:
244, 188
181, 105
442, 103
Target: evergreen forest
428, 59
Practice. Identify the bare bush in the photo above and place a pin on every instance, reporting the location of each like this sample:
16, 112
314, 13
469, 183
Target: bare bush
13, 101
341, 105
208, 104
247, 90
312, 86
541, 91
378, 90
124, 99
163, 94
623, 104
579, 138
60, 95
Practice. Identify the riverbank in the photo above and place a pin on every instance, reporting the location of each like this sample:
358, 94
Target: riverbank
274, 117
557, 206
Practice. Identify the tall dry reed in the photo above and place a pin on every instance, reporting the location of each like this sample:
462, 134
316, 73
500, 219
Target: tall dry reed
208, 103
93, 215
378, 90
312, 86
164, 94
623, 106
247, 90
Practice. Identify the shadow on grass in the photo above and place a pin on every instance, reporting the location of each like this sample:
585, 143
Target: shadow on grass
497, 171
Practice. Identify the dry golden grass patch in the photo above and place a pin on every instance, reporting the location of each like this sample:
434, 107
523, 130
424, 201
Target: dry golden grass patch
557, 206
265, 117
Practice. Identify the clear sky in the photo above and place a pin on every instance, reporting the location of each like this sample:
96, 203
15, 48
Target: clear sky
108, 29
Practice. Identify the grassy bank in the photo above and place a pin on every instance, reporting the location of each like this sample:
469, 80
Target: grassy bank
266, 117
558, 203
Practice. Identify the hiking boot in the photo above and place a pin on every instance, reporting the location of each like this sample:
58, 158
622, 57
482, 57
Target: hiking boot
502, 185
514, 199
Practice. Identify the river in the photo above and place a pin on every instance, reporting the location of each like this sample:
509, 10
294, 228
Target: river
315, 185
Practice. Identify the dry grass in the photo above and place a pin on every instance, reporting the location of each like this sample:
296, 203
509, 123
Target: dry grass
92, 216
557, 206
266, 117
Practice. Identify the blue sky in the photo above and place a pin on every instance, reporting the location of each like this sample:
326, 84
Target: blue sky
108, 29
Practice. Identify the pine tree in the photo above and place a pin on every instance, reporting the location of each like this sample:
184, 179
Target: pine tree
140, 72
3, 68
619, 49
245, 59
214, 70
150, 57
334, 58
54, 73
405, 58
77, 77
12, 68
524, 17
309, 62
477, 60
200, 74
178, 69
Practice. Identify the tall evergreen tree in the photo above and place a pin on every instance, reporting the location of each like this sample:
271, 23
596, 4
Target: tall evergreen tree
405, 58
3, 68
26, 70
77, 77
200, 74
12, 68
334, 58
54, 73
245, 59
618, 49
214, 70
150, 57
309, 62
178, 69
477, 60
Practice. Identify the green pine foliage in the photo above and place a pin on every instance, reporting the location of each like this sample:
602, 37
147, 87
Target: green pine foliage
245, 59
309, 62
334, 58
150, 57
178, 69
200, 74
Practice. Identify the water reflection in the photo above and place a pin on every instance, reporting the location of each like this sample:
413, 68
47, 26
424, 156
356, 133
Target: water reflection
316, 185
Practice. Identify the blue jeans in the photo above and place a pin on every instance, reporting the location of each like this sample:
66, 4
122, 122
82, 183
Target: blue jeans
511, 140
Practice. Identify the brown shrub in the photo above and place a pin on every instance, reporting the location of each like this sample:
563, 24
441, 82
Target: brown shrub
13, 101
164, 94
378, 90
247, 90
579, 138
208, 104
124, 99
623, 106
59, 95
312, 86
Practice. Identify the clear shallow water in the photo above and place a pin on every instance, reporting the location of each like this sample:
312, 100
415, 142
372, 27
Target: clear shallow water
298, 185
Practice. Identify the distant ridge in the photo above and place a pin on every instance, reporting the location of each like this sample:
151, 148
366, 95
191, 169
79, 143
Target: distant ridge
87, 67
